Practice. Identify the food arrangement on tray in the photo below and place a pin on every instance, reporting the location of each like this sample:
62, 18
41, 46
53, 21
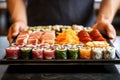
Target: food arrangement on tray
60, 42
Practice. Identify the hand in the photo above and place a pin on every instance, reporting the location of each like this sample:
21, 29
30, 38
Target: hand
105, 27
14, 30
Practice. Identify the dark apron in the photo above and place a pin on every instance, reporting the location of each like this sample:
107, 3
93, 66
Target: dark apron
64, 12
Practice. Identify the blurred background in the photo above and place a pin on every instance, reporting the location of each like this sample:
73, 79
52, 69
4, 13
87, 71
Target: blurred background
5, 20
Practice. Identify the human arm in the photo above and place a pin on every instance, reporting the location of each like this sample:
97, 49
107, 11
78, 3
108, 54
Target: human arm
105, 17
17, 11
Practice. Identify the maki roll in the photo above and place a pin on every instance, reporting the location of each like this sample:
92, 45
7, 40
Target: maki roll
12, 52
88, 29
49, 53
85, 53
56, 28
14, 44
66, 46
79, 46
37, 53
61, 53
109, 53
77, 28
30, 45
54, 46
97, 53
26, 52
44, 45
65, 27
73, 53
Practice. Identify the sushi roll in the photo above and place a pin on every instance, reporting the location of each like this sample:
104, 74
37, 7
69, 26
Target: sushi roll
65, 27
14, 44
79, 46
56, 28
61, 53
67, 46
37, 53
77, 28
88, 29
73, 53
43, 45
109, 53
30, 45
54, 46
49, 53
97, 53
85, 53
12, 52
26, 52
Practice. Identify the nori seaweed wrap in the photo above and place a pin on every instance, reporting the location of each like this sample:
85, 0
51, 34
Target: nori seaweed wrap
73, 53
61, 53
26, 52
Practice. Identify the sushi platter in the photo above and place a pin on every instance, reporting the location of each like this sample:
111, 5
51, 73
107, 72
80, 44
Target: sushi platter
61, 45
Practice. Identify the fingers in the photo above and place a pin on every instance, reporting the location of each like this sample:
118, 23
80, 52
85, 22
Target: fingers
14, 30
111, 33
106, 28
100, 27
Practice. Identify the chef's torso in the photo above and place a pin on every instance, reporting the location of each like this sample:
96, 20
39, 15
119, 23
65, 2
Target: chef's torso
65, 12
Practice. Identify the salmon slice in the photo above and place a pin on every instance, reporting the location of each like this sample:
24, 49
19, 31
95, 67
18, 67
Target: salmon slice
36, 34
21, 41
33, 41
23, 36
48, 37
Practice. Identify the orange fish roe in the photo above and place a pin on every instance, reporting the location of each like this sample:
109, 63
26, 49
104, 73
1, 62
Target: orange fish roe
68, 36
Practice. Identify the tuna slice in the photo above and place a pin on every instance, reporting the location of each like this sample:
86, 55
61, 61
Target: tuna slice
48, 37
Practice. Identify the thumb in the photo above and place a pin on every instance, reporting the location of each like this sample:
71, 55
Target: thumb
17, 28
15, 31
